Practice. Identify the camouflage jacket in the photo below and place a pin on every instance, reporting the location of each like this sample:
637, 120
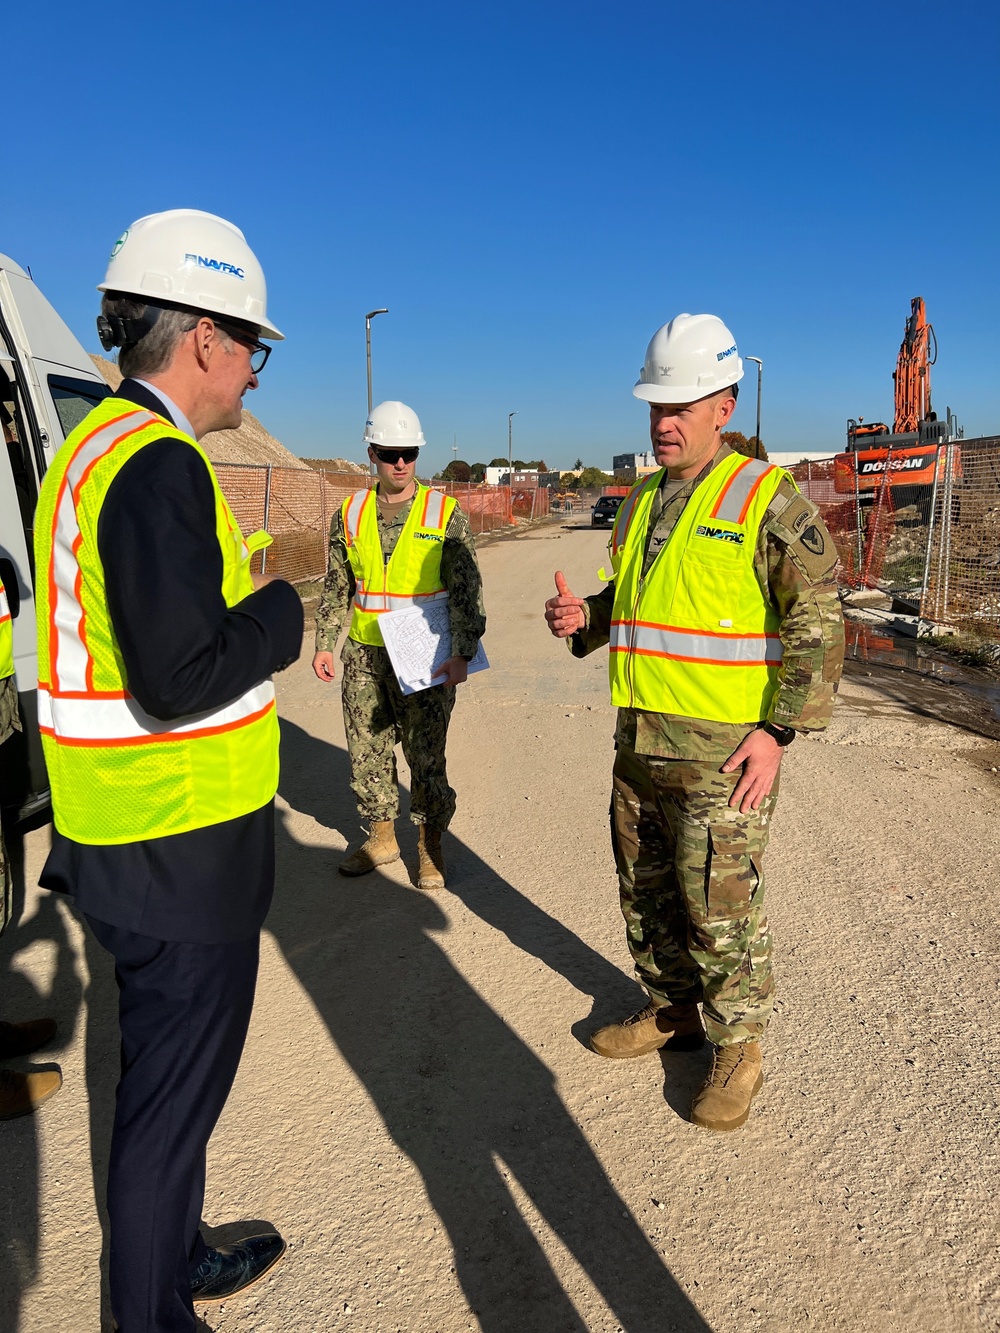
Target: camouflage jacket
800, 585
459, 573
10, 720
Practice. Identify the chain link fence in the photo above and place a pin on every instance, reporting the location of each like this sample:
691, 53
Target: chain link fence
933, 544
296, 506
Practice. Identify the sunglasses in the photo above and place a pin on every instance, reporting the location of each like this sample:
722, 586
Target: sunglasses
259, 352
390, 455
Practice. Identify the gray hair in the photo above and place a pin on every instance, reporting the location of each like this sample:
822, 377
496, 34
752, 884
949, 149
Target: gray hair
153, 352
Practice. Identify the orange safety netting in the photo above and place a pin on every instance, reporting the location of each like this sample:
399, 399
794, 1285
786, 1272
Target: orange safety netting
296, 506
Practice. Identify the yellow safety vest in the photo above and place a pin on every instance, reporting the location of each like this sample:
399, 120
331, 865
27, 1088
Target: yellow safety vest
117, 774
411, 575
697, 637
6, 636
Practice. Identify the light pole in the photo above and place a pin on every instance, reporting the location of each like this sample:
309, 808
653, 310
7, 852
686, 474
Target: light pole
760, 372
510, 450
368, 350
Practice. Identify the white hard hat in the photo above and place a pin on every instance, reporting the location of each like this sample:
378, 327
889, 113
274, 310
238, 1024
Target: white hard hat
689, 358
393, 423
190, 258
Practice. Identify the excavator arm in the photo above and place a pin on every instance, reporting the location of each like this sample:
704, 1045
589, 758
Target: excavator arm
912, 375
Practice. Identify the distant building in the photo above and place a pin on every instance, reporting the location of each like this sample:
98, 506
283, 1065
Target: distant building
629, 467
524, 477
496, 476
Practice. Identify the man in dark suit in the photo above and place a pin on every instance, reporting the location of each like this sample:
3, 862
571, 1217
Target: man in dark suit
163, 787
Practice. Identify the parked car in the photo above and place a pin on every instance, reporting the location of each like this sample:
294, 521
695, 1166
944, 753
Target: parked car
48, 384
603, 513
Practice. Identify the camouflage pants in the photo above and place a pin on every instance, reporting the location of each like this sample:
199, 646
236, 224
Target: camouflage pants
377, 717
692, 890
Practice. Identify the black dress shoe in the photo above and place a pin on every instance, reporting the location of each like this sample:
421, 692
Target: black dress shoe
23, 1038
232, 1268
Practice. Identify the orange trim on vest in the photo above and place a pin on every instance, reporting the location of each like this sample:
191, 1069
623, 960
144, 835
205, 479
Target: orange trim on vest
725, 490
53, 590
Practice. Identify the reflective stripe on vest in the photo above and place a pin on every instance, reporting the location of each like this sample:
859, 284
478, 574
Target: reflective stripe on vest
379, 602
737, 496
687, 645
433, 510
695, 636
119, 775
626, 511
412, 574
6, 636
352, 514
105, 719
71, 666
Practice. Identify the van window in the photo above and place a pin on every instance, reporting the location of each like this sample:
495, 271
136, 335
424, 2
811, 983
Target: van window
14, 435
74, 399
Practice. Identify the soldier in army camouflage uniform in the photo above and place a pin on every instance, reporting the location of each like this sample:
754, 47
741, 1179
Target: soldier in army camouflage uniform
377, 715
692, 799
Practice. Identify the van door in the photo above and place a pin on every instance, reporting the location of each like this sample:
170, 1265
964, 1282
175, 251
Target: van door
23, 782
48, 384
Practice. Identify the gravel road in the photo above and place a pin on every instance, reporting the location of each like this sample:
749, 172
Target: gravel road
416, 1109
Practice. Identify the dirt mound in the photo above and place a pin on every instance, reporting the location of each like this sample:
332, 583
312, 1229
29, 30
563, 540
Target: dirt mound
336, 465
251, 443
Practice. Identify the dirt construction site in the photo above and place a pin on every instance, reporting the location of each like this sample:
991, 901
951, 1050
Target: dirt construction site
417, 1110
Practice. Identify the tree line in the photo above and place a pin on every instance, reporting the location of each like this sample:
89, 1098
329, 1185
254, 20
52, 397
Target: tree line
459, 470
589, 477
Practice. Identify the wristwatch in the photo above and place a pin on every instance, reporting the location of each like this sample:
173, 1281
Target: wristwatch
783, 735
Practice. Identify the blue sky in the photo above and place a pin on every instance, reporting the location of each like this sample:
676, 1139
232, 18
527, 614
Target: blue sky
532, 189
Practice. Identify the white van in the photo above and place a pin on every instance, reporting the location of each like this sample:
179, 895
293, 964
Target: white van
48, 384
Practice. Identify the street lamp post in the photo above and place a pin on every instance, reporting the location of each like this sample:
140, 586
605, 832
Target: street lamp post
510, 451
760, 371
368, 350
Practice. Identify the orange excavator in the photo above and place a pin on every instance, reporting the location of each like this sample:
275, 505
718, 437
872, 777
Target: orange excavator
909, 452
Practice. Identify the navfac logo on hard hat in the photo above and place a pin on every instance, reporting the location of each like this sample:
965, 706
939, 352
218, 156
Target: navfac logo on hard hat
730, 351
217, 265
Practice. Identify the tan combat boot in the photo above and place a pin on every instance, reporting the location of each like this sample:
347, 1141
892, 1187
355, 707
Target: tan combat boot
430, 872
675, 1026
379, 849
723, 1100
20, 1094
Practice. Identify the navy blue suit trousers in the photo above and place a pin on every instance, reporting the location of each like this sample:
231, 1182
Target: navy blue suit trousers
184, 1011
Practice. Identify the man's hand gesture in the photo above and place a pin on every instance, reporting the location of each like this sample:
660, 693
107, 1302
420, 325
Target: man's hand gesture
564, 612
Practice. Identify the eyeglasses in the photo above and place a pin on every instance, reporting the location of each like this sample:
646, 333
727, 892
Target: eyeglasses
390, 455
259, 352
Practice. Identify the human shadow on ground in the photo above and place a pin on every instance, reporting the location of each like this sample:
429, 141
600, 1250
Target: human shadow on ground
461, 1094
21, 999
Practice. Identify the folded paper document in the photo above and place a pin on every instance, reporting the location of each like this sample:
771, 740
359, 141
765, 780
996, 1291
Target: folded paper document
418, 640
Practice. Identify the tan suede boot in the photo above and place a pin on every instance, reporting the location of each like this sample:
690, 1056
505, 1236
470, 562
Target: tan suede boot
20, 1094
379, 849
430, 872
676, 1026
723, 1100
